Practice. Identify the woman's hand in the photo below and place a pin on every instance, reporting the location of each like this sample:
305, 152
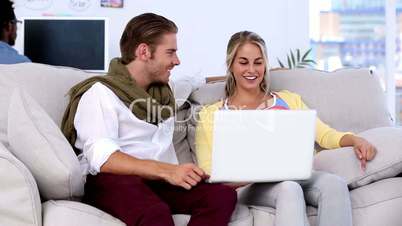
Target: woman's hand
364, 150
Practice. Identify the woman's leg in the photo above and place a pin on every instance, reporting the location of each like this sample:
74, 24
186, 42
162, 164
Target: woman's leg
286, 197
330, 194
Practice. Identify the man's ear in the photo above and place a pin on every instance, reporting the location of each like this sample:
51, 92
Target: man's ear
7, 27
143, 52
6, 31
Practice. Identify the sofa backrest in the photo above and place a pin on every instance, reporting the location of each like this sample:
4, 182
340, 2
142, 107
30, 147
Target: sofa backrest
48, 85
346, 99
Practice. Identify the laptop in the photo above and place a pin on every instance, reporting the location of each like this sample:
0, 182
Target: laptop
262, 145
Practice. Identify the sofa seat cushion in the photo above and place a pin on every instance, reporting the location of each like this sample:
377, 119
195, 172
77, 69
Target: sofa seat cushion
68, 213
19, 196
378, 203
37, 141
387, 163
265, 216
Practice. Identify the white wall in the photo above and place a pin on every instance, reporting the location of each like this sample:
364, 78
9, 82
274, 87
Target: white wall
204, 26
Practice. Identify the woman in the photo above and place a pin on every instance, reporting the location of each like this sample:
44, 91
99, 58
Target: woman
247, 87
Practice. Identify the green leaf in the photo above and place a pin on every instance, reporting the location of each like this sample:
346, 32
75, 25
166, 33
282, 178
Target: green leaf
293, 58
310, 61
280, 63
306, 54
289, 63
298, 55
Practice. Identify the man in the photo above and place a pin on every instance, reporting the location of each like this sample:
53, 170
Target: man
123, 125
8, 34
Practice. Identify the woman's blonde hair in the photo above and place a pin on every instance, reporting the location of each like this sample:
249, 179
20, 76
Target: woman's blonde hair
235, 42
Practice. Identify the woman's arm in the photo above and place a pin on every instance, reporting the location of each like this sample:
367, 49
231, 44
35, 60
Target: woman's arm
330, 138
203, 139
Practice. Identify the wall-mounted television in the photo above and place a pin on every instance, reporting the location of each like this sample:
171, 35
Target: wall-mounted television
79, 42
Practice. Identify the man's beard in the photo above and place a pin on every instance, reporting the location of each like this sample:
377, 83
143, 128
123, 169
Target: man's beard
156, 73
11, 40
156, 76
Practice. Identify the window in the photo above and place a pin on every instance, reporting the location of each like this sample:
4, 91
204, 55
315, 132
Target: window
353, 33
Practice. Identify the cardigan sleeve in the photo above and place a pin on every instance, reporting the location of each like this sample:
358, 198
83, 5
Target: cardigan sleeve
203, 137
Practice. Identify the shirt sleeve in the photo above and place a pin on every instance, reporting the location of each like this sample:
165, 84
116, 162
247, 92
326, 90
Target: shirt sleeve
326, 136
96, 123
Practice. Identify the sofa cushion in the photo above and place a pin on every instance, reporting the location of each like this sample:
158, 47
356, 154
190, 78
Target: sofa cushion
20, 202
378, 203
241, 216
67, 213
387, 163
339, 97
193, 118
264, 216
208, 93
181, 91
180, 139
48, 85
37, 141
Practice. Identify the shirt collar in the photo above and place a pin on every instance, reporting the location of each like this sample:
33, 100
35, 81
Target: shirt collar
5, 44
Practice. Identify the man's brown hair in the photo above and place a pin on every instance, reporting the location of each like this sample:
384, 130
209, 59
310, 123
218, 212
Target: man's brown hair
146, 28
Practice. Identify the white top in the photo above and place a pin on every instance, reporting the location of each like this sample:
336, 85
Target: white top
104, 125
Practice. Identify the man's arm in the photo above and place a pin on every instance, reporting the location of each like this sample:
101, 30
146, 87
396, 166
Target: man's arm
185, 175
96, 122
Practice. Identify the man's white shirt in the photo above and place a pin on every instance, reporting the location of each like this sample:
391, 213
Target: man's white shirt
104, 124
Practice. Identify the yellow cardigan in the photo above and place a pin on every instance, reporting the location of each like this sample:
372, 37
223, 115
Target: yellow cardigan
326, 136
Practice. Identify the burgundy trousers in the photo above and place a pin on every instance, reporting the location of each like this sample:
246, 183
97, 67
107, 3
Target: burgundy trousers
139, 202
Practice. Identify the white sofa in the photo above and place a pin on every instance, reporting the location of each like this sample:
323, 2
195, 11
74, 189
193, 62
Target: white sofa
39, 181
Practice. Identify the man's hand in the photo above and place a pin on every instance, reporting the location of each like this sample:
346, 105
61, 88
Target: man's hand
364, 150
185, 175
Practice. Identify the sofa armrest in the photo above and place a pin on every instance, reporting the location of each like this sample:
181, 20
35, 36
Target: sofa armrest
20, 201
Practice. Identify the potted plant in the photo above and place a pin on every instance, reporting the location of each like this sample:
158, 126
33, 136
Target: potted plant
297, 60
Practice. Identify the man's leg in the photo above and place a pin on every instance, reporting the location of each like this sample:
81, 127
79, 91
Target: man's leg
330, 194
208, 204
128, 199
